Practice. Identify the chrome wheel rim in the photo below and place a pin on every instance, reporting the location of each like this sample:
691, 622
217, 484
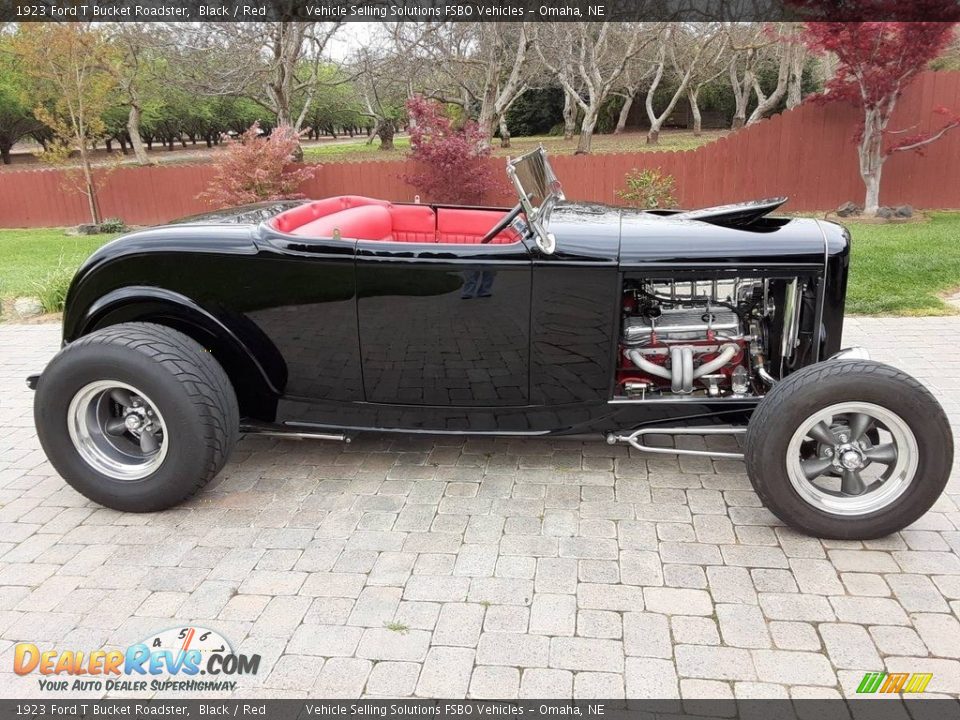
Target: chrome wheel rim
117, 430
852, 458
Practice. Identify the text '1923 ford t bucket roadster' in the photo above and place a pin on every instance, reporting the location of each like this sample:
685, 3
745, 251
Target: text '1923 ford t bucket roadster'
327, 318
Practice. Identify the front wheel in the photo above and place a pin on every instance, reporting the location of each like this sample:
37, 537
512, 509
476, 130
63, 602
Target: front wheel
849, 449
137, 417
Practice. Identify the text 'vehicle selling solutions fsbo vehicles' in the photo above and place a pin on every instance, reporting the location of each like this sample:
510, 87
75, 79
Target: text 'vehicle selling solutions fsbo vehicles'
333, 317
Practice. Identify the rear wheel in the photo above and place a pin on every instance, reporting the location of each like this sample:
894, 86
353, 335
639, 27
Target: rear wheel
849, 450
137, 417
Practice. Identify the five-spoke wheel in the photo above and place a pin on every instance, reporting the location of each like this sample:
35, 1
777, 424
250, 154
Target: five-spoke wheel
849, 449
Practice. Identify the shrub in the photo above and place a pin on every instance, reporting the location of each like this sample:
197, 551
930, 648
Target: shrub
453, 160
254, 168
648, 189
112, 225
52, 289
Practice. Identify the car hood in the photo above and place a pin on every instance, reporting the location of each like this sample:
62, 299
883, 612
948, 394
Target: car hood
635, 238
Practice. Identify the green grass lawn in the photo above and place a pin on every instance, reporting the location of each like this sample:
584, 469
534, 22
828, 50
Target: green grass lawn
626, 142
895, 269
902, 269
27, 257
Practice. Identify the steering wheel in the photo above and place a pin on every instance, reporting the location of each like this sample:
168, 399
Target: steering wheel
503, 223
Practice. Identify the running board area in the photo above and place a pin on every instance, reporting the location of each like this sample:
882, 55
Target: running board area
291, 432
635, 439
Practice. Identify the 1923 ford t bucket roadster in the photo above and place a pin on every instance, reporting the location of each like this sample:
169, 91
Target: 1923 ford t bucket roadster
327, 318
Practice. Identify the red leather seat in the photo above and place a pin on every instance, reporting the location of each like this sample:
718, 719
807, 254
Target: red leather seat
466, 227
363, 218
366, 222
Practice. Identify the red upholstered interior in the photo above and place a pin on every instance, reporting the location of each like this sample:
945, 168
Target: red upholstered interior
369, 219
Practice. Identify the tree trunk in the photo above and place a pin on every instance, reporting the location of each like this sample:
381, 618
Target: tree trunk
385, 133
586, 131
504, 132
692, 94
871, 161
625, 111
653, 134
569, 115
5, 153
795, 81
90, 187
136, 142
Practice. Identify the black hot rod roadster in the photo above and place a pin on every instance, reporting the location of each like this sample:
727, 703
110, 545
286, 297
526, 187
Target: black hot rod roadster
323, 319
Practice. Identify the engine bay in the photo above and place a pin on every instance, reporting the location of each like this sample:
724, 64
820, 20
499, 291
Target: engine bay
707, 338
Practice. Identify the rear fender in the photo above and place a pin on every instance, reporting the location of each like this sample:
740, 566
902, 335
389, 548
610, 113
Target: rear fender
254, 365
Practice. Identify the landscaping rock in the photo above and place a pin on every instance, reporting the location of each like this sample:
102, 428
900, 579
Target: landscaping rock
885, 212
27, 307
849, 209
87, 229
903, 211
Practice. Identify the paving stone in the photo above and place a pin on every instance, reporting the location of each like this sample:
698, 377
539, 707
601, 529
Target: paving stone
599, 624
446, 672
342, 678
731, 584
553, 614
609, 597
506, 619
792, 606
793, 668
692, 630
940, 633
375, 606
651, 678
513, 649
895, 640
646, 635
556, 575
578, 653
459, 624
678, 601
393, 679
917, 593
546, 683
489, 682
794, 636
386, 644
742, 626
324, 640
849, 646
717, 663
597, 686
869, 610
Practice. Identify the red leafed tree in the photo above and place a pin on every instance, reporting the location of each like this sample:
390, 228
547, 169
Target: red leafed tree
254, 168
452, 167
875, 63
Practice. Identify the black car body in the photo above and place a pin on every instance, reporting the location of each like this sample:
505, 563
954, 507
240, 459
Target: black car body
327, 318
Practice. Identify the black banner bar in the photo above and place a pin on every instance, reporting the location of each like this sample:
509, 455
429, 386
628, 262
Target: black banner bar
475, 10
881, 708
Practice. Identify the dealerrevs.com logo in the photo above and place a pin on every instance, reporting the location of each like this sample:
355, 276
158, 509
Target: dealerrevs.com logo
881, 682
184, 659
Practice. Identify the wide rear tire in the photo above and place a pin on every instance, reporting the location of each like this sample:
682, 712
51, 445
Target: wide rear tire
137, 417
849, 449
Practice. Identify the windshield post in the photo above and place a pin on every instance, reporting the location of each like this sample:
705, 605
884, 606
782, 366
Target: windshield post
538, 190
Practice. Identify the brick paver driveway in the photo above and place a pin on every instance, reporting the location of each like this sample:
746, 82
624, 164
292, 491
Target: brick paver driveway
446, 567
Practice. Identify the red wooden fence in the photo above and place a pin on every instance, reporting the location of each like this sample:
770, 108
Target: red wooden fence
807, 153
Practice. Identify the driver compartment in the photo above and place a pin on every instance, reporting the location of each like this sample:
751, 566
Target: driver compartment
361, 218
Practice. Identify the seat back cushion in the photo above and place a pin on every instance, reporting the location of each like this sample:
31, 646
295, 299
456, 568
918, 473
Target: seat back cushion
365, 222
289, 220
414, 223
469, 226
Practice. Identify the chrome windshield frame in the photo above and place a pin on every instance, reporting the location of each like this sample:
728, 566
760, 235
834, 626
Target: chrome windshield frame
547, 188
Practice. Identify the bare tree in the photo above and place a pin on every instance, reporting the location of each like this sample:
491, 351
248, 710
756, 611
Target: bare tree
590, 57
682, 53
746, 41
135, 69
382, 92
484, 66
270, 63
713, 67
783, 52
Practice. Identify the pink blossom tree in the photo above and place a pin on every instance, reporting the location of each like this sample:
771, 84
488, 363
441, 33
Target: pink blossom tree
453, 167
254, 168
